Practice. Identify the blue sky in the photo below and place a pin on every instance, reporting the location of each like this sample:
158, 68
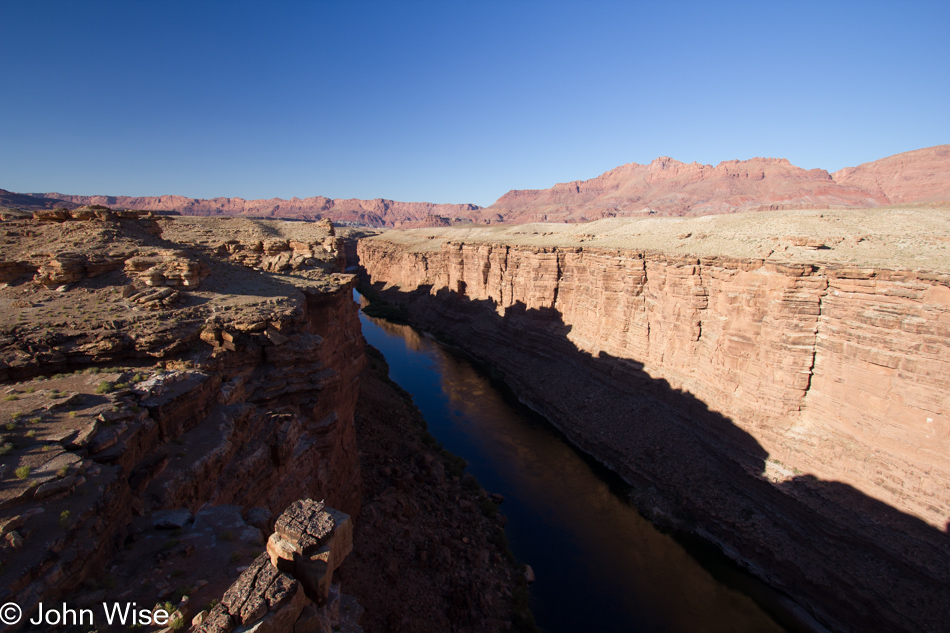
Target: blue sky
452, 101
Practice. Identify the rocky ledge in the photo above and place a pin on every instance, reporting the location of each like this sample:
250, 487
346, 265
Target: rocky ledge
783, 398
169, 386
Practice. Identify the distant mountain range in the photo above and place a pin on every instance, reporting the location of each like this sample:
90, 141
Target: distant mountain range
665, 187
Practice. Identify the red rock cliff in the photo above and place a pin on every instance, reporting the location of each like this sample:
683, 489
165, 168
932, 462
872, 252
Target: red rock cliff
252, 405
795, 414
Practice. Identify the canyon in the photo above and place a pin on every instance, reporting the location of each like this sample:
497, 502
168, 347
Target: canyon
172, 388
772, 382
664, 187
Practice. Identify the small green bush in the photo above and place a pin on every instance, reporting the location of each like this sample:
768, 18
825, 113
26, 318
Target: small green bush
11, 397
64, 518
103, 387
22, 472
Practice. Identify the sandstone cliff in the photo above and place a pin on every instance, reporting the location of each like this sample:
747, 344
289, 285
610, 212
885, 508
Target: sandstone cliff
667, 187
148, 370
169, 385
794, 413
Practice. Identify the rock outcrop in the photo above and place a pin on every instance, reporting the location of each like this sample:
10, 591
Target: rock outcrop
288, 588
667, 187
794, 414
149, 370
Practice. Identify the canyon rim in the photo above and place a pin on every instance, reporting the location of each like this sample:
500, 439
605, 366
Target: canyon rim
774, 382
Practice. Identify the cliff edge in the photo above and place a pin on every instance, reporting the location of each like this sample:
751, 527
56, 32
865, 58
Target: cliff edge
774, 382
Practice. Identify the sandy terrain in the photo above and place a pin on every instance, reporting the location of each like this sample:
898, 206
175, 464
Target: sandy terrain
906, 237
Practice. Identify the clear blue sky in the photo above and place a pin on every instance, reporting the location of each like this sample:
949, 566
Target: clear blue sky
452, 101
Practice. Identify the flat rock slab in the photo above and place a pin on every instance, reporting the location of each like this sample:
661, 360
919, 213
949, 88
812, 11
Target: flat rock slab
306, 525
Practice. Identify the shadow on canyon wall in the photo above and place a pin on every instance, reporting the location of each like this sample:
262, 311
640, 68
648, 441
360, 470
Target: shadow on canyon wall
853, 562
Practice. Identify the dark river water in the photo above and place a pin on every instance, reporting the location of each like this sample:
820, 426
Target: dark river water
600, 566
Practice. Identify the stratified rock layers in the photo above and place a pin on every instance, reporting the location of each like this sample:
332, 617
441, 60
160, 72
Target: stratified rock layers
796, 415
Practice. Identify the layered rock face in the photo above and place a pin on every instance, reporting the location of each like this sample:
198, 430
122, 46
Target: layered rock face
795, 414
670, 188
667, 187
120, 405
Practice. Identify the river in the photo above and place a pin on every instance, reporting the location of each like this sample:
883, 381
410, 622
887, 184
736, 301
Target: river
600, 566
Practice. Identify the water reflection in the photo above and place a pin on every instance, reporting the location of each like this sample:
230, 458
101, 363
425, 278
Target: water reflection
600, 566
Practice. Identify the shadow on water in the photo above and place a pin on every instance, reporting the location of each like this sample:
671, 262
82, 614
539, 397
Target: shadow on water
853, 562
600, 566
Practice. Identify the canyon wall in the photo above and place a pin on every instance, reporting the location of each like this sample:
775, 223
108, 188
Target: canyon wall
206, 410
794, 414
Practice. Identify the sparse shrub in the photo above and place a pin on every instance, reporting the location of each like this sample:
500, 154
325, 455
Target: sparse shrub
10, 426
16, 415
30, 389
121, 385
103, 387
73, 414
64, 519
11, 397
35, 420
62, 472
235, 557
22, 472
6, 448
31, 433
